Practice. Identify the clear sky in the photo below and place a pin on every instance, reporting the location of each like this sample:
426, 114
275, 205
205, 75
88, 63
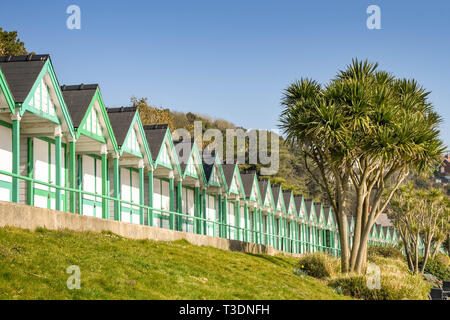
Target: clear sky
232, 59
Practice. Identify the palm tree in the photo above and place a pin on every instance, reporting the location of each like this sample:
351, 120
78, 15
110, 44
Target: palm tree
361, 134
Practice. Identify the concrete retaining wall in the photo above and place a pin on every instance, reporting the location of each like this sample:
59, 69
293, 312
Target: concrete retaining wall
28, 217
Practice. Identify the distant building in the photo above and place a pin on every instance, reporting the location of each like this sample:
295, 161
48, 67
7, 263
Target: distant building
442, 174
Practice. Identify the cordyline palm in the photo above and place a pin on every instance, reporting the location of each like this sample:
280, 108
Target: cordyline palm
362, 132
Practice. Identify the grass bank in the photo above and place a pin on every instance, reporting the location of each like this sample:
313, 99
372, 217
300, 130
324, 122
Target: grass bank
33, 266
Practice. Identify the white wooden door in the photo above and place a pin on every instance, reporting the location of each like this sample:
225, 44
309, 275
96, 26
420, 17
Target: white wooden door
92, 182
5, 163
189, 209
44, 170
129, 181
211, 214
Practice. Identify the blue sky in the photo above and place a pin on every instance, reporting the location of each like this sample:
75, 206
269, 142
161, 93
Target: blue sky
232, 59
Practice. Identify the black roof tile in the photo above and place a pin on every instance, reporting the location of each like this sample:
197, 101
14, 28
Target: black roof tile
78, 98
247, 181
21, 73
275, 193
155, 137
263, 185
298, 202
228, 171
121, 120
287, 198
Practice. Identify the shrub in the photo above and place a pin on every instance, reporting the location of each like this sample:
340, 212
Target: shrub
319, 265
386, 252
411, 287
437, 268
445, 259
396, 282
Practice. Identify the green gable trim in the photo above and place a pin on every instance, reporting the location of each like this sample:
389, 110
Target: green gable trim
139, 153
25, 106
5, 124
292, 201
6, 92
191, 169
98, 98
236, 187
218, 165
269, 194
313, 214
281, 202
163, 149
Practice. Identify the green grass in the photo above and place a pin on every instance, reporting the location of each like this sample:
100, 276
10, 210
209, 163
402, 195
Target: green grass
33, 266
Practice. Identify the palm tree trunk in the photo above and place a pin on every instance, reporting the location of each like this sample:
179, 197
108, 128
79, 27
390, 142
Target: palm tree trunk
426, 253
343, 237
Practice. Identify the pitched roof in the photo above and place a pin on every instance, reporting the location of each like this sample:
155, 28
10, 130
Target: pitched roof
317, 209
263, 185
308, 205
228, 171
287, 198
78, 98
275, 193
247, 182
298, 202
155, 135
327, 211
378, 226
208, 169
121, 120
183, 159
21, 73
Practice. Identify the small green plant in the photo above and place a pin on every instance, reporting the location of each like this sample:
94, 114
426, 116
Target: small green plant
393, 287
318, 265
437, 268
386, 252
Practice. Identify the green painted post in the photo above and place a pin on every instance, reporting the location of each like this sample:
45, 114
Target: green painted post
180, 204
172, 201
238, 220
116, 177
261, 229
58, 135
150, 197
246, 221
72, 175
104, 154
255, 225
30, 186
220, 209
80, 184
205, 226
197, 210
15, 156
141, 192
224, 217
274, 231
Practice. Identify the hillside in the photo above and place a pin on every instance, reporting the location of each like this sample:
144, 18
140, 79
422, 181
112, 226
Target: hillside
33, 266
292, 174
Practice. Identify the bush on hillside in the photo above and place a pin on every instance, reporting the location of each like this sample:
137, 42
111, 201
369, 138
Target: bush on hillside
386, 252
411, 287
318, 265
445, 259
436, 267
396, 282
